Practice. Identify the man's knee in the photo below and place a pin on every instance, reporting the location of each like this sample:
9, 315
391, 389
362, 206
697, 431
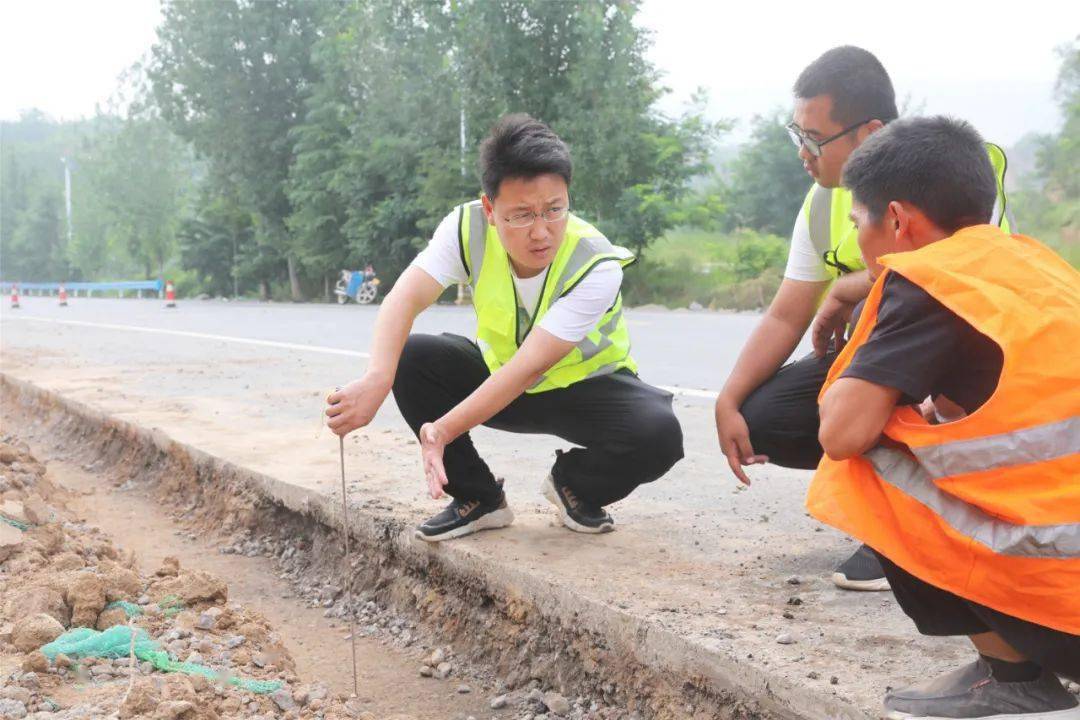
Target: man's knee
658, 443
758, 411
415, 355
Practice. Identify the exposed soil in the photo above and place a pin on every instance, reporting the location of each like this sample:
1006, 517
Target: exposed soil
285, 575
259, 625
58, 572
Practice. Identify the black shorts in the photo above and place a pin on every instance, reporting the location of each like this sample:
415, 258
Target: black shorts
938, 612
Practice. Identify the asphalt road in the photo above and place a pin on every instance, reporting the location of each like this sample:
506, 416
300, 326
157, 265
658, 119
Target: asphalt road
679, 348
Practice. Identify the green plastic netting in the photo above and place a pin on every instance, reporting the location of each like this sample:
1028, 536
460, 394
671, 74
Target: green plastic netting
18, 524
171, 605
116, 643
130, 609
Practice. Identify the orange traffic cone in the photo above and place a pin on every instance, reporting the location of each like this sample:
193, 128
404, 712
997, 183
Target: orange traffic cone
170, 294
14, 297
63, 296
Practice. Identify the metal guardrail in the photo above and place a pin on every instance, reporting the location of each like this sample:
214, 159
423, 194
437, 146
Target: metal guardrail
87, 288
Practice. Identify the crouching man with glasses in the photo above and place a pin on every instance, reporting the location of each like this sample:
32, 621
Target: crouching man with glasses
767, 411
551, 355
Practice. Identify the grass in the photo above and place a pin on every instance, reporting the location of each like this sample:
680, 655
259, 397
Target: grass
737, 271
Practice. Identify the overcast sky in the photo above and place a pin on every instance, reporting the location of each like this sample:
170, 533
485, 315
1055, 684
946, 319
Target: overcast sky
990, 62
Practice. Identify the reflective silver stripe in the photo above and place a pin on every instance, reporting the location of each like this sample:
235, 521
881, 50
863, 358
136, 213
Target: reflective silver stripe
996, 215
587, 248
589, 349
1037, 541
602, 370
477, 241
820, 219
612, 323
1034, 444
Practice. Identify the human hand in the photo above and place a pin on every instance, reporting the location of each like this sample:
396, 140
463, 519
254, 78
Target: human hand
734, 437
354, 405
432, 446
830, 322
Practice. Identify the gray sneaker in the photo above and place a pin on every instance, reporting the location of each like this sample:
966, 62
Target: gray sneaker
972, 692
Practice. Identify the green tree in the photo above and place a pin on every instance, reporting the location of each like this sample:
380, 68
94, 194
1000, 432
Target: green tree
580, 65
231, 76
14, 203
379, 157
320, 202
377, 161
1059, 158
217, 241
39, 238
1048, 206
767, 182
141, 173
32, 227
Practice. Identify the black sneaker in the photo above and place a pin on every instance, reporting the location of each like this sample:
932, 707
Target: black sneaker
464, 517
575, 514
861, 571
973, 692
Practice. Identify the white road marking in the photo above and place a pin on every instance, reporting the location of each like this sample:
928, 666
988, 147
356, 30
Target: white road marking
690, 392
684, 392
203, 336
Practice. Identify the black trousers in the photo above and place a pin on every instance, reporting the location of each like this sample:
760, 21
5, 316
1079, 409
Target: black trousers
938, 612
782, 413
627, 431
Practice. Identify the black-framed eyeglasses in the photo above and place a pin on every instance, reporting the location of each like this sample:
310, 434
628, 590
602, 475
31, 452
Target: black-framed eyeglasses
526, 218
801, 139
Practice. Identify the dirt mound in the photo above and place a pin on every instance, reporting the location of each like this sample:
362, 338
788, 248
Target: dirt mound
56, 574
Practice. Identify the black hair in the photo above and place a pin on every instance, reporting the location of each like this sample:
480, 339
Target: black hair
520, 146
855, 80
938, 164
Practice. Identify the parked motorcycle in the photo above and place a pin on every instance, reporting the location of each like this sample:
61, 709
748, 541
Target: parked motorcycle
360, 286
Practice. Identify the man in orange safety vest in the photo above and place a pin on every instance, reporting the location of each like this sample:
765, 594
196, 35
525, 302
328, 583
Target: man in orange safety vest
951, 425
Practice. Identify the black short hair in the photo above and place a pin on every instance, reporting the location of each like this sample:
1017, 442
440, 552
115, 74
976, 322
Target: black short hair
520, 146
938, 164
855, 80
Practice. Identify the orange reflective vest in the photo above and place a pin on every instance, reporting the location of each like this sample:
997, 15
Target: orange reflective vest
986, 507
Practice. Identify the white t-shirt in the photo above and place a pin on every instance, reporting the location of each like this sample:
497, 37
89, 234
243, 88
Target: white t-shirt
805, 261
569, 318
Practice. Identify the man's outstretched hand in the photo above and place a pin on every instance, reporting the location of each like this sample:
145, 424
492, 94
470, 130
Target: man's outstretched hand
354, 405
432, 445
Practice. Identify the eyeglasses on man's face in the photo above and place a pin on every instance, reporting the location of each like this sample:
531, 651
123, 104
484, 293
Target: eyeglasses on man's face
812, 145
526, 218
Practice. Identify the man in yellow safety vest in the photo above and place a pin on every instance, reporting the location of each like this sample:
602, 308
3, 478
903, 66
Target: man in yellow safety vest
551, 355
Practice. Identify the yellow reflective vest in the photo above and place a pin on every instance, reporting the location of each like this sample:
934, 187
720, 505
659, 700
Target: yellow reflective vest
827, 212
502, 322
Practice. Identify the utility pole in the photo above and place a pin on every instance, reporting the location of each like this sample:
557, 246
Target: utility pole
464, 172
235, 279
67, 194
